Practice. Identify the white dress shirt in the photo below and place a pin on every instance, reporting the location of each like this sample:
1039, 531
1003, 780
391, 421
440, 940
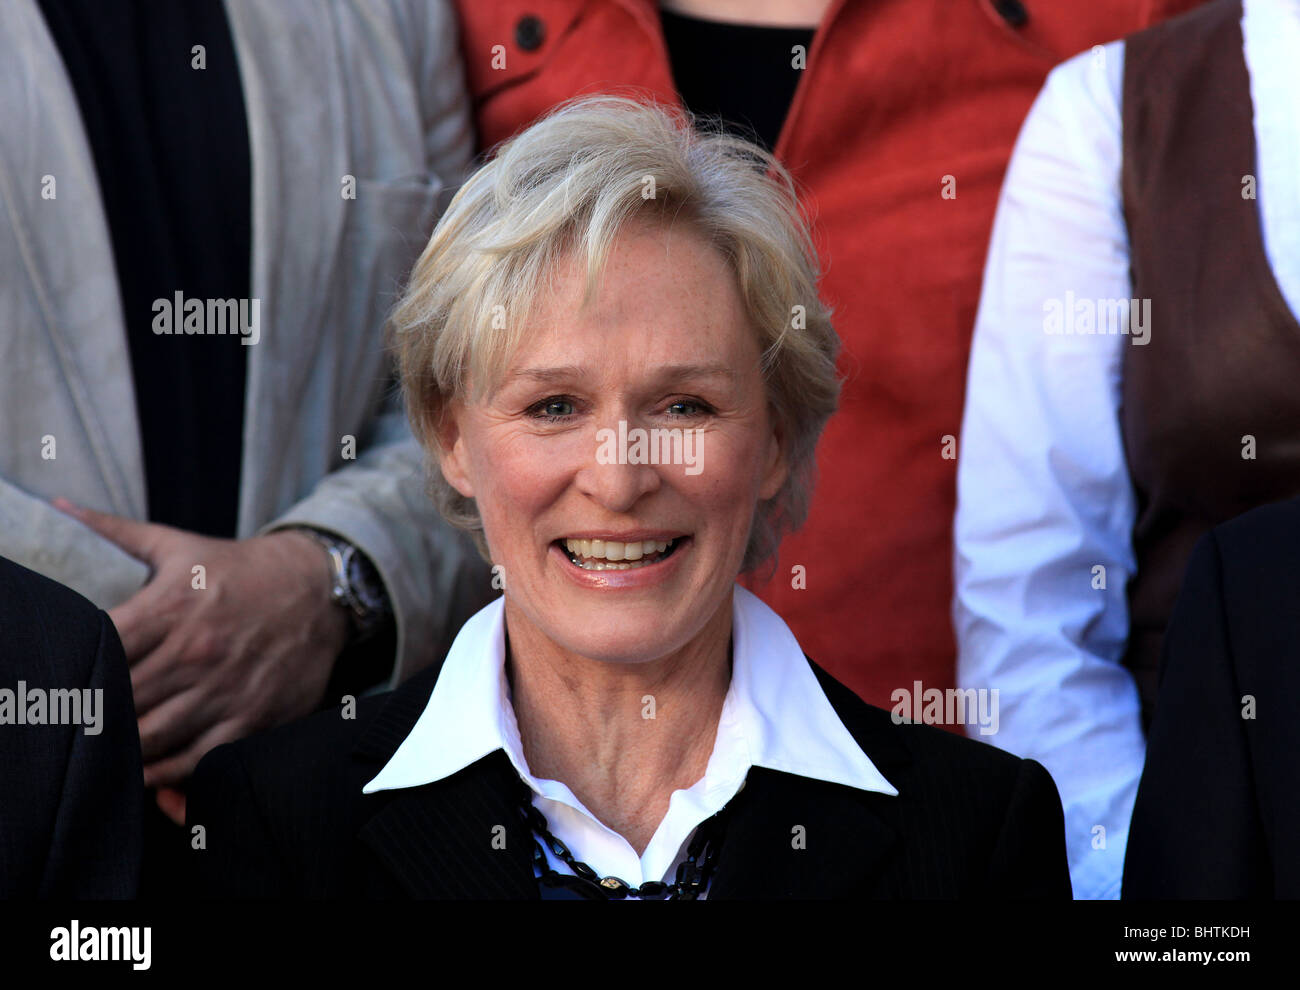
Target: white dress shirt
1044, 493
775, 715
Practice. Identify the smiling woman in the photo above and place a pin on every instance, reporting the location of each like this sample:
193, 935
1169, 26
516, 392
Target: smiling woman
625, 721
693, 234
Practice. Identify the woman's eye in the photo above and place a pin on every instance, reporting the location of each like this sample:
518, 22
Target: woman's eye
552, 409
688, 407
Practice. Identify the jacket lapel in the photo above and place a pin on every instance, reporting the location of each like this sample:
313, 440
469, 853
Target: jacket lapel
437, 840
787, 837
458, 838
790, 837
795, 837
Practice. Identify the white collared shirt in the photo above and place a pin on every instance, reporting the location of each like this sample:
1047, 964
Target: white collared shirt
775, 715
1043, 488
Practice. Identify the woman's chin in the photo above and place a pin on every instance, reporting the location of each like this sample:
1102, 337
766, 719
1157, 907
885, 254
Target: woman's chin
628, 632
620, 645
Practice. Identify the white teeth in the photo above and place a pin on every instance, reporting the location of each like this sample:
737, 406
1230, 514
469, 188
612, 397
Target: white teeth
599, 555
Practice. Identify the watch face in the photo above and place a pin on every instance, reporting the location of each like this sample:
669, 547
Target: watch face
366, 586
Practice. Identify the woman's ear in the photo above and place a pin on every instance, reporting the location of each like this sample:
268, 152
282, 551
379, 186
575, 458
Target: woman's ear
777, 469
452, 457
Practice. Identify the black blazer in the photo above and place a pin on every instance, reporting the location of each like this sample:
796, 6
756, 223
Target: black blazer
284, 815
1218, 808
69, 802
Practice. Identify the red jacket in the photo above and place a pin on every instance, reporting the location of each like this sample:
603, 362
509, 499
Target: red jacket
897, 96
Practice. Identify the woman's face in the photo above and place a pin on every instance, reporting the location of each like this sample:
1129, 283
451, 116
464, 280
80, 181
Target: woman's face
575, 511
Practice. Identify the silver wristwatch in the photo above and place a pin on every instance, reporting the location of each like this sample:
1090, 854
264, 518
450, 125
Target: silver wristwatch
354, 584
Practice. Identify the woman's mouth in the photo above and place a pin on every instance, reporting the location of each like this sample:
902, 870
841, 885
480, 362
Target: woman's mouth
613, 555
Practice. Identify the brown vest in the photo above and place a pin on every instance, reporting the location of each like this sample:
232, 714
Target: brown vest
1223, 361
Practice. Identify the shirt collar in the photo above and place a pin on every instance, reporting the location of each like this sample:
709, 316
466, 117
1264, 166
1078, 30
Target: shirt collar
782, 716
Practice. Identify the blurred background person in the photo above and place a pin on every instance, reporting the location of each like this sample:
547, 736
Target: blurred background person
242, 491
896, 118
1132, 384
1218, 809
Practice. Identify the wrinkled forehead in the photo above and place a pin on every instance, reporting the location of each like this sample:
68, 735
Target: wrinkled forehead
664, 289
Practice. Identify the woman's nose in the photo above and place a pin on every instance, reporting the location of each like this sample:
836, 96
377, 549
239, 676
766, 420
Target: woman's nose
615, 474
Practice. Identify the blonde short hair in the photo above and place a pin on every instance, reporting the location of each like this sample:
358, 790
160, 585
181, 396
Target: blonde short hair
565, 187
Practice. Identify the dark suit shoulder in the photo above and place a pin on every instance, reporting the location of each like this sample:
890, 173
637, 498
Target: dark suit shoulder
47, 623
975, 820
1266, 537
281, 807
76, 778
898, 742
311, 748
1217, 797
19, 583
1245, 569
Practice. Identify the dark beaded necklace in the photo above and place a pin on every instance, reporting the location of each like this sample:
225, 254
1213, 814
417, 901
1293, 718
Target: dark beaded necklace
693, 873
